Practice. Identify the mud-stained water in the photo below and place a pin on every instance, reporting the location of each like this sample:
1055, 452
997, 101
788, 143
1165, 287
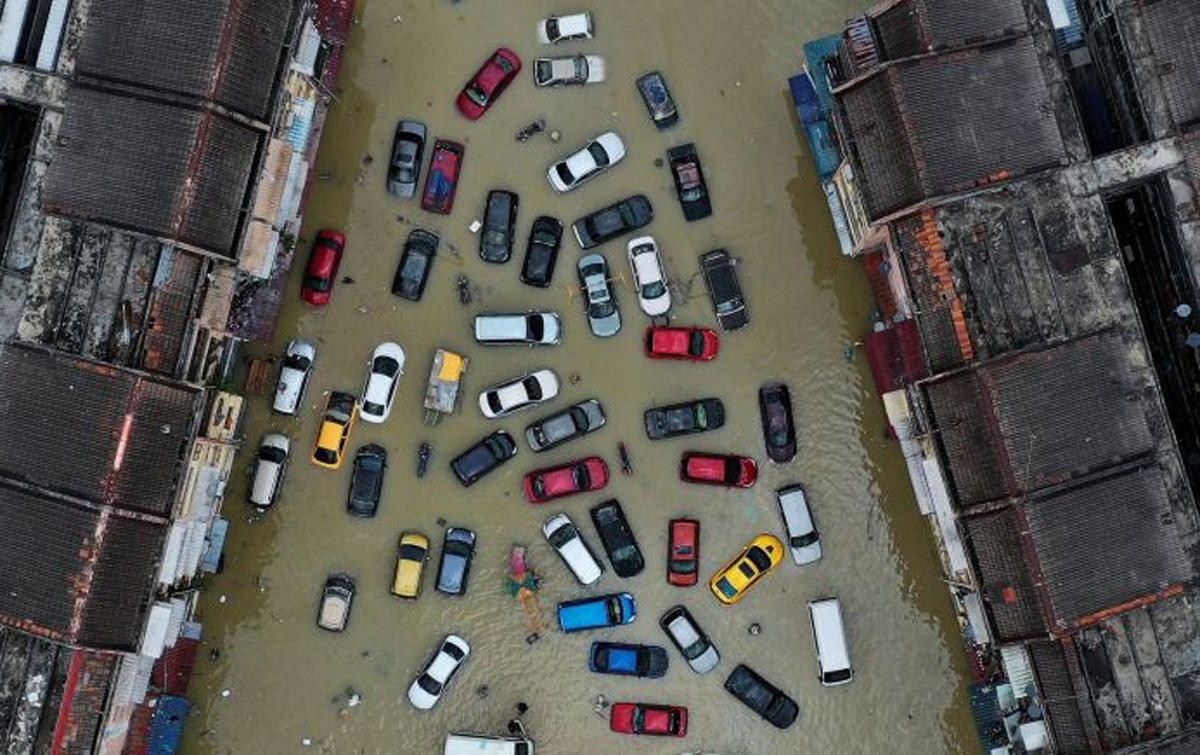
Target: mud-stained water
726, 63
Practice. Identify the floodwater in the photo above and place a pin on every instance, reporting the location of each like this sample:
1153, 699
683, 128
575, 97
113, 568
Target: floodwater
726, 63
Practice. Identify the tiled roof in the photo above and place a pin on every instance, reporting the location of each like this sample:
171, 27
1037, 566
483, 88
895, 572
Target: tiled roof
1174, 30
1007, 585
912, 27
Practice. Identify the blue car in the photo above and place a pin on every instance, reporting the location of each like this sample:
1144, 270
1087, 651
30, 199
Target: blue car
628, 660
596, 613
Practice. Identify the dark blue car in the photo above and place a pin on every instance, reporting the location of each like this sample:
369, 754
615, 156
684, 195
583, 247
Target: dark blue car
628, 660
596, 613
455, 567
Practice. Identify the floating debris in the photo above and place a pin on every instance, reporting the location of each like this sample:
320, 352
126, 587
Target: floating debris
754, 629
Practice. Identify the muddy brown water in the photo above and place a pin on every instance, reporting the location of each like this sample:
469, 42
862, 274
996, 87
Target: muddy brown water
726, 63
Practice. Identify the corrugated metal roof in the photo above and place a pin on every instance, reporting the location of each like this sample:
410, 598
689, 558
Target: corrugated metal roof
1064, 697
1174, 30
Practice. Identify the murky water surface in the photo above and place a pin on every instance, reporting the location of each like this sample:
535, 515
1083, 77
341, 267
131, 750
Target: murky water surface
726, 63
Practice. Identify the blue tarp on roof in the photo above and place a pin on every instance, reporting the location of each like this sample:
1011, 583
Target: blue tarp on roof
815, 54
167, 727
804, 94
216, 546
816, 127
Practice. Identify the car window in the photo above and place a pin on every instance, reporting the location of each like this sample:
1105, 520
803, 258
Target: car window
272, 454
726, 587
564, 173
653, 290
453, 651
536, 326
410, 552
684, 567
696, 344
503, 63
579, 417
297, 362
385, 366
552, 28
563, 535
326, 455
494, 403
747, 570
414, 267
429, 684
477, 95
533, 388
805, 540
320, 285
598, 154
759, 557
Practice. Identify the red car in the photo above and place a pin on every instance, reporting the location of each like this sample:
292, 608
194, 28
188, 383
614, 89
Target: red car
581, 476
488, 83
718, 469
643, 718
322, 269
683, 553
693, 344
441, 182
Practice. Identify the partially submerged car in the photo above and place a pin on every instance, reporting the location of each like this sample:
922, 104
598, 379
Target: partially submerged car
574, 422
441, 180
568, 542
541, 253
366, 481
270, 464
341, 413
483, 458
688, 344
411, 555
386, 369
497, 238
407, 150
690, 417
416, 262
557, 29
337, 597
518, 329
294, 375
600, 301
690, 186
690, 640
649, 280
804, 541
617, 538
619, 218
596, 613
762, 697
488, 83
620, 659
647, 719
725, 470
757, 560
720, 276
580, 476
683, 552
454, 569
518, 394
589, 161
659, 102
323, 264
779, 429
429, 686
568, 69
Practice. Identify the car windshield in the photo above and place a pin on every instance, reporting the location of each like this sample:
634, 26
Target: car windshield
727, 306
385, 366
297, 362
625, 552
639, 718
802, 541
732, 471
414, 267
759, 558
684, 566
579, 418
601, 309
370, 407
564, 173
545, 70
563, 535
552, 28
598, 154
581, 477
410, 552
536, 326
726, 587
503, 63
495, 238
273, 454
780, 438
614, 609
701, 416
326, 455
315, 283
696, 344
477, 95
539, 486
493, 399
653, 290
841, 675
429, 684
453, 651
533, 388
581, 68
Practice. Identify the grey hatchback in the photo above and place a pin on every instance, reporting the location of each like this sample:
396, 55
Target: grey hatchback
575, 422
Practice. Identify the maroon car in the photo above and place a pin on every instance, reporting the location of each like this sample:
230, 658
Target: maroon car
683, 553
323, 264
725, 470
581, 476
441, 182
488, 83
643, 718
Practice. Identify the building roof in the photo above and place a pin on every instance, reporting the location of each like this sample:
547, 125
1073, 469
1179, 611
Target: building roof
931, 126
224, 51
106, 436
172, 171
1173, 27
911, 27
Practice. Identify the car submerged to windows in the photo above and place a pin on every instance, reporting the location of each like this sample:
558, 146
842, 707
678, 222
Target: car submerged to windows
323, 264
294, 376
600, 302
407, 150
568, 69
556, 429
595, 157
386, 369
441, 180
518, 394
690, 417
416, 262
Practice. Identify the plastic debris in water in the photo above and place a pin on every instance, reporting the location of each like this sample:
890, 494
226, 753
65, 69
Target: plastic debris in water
226, 693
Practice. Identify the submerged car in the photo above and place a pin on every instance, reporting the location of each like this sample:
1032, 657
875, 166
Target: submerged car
687, 418
647, 719
762, 697
294, 376
488, 83
518, 329
649, 280
659, 102
689, 344
270, 464
779, 429
441, 180
568, 69
323, 264
387, 367
620, 659
557, 29
337, 597
568, 542
617, 538
497, 237
683, 552
595, 157
366, 481
690, 640
580, 476
341, 412
541, 253
483, 458
725, 470
690, 186
411, 555
575, 422
804, 541
458, 550
600, 302
757, 560
416, 262
596, 613
720, 276
619, 218
429, 686
407, 150
518, 394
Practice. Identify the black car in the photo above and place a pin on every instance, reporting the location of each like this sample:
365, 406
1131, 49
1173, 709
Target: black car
625, 216
617, 538
690, 185
574, 422
620, 659
499, 227
762, 697
415, 264
458, 548
483, 457
366, 481
541, 253
659, 102
684, 419
779, 429
721, 278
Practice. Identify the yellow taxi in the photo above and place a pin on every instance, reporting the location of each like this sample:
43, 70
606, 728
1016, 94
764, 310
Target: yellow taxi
340, 415
410, 565
756, 561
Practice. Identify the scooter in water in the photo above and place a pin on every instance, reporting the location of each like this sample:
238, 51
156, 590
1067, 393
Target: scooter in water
464, 290
536, 127
423, 456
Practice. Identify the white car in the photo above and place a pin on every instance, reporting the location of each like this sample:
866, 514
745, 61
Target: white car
690, 640
269, 465
293, 376
557, 29
518, 329
568, 69
648, 277
594, 158
428, 688
387, 366
804, 540
519, 393
562, 535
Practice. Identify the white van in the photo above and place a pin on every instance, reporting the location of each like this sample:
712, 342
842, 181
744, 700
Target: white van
833, 657
477, 744
269, 466
293, 376
518, 329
